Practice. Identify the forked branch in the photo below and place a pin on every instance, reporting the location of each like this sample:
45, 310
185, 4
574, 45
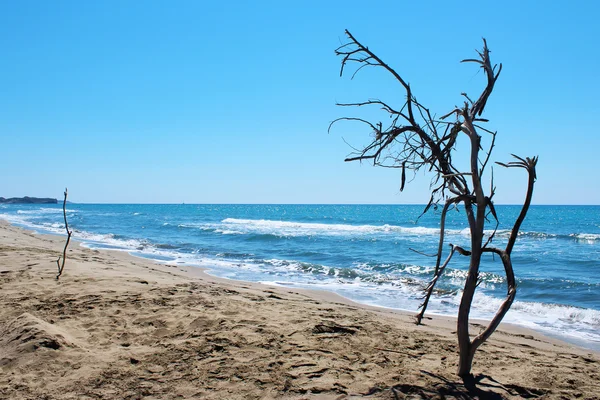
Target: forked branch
438, 273
439, 270
511, 292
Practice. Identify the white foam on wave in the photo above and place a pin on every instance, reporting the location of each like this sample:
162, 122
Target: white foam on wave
555, 319
580, 323
290, 228
88, 239
586, 237
405, 268
240, 226
15, 219
459, 276
94, 240
43, 210
582, 237
228, 232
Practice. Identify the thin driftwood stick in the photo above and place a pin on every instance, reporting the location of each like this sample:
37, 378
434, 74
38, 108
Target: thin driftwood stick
61, 265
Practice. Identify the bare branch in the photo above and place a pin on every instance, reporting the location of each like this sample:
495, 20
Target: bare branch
529, 164
383, 105
429, 290
490, 204
422, 253
489, 153
505, 306
351, 119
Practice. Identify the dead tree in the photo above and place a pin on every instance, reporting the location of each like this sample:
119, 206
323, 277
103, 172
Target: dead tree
61, 261
416, 139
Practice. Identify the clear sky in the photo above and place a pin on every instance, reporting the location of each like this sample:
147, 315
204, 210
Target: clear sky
229, 102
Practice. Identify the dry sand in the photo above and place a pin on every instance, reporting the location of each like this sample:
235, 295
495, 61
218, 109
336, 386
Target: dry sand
119, 327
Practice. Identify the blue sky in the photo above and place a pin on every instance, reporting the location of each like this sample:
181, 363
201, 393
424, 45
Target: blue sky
198, 102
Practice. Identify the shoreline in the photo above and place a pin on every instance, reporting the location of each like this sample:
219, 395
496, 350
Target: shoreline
126, 326
564, 339
449, 321
330, 295
439, 320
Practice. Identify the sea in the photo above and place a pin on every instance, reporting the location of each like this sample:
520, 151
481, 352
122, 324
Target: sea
378, 255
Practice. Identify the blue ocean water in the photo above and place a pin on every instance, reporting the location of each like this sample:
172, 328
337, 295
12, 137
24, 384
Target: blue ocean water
369, 253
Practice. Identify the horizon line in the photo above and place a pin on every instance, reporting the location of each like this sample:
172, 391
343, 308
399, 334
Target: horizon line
310, 204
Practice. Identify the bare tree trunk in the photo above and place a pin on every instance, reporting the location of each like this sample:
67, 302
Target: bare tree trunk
462, 327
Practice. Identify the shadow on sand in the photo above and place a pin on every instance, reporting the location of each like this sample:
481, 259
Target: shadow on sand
475, 387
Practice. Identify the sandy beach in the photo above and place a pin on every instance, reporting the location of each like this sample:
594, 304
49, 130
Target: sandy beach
119, 327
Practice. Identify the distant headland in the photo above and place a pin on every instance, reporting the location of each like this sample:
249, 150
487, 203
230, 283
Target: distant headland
28, 200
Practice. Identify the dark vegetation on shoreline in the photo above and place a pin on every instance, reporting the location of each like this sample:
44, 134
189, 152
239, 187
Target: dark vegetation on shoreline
28, 200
